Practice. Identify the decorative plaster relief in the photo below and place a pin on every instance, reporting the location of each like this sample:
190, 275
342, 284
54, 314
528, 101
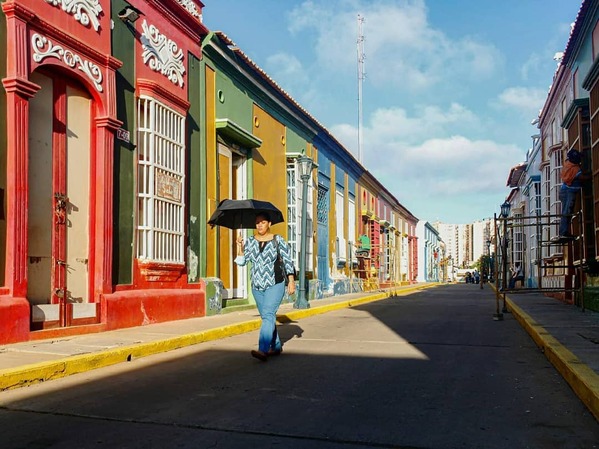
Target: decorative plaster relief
84, 11
161, 54
43, 48
190, 6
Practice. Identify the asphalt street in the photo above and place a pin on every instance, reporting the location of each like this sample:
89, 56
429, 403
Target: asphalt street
431, 370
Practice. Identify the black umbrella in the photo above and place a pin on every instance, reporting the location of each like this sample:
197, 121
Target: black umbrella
241, 214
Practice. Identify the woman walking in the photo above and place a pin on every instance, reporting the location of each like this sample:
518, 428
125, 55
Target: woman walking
268, 283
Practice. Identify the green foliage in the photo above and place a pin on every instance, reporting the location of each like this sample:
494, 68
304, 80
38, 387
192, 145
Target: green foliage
483, 263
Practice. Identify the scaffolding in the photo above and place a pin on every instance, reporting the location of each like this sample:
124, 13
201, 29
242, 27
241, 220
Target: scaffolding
366, 271
559, 265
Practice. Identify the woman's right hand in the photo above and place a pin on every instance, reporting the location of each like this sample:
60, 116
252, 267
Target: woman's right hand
239, 239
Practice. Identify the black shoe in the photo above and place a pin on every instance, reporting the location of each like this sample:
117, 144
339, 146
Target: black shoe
565, 238
562, 238
274, 352
259, 355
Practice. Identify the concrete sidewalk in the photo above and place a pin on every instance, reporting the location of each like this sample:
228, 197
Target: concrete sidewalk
568, 337
26, 363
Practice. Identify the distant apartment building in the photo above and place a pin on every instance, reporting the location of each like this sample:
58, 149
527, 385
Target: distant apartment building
481, 238
466, 243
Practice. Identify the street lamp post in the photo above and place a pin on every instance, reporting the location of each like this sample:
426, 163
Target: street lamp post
497, 316
305, 166
505, 212
489, 267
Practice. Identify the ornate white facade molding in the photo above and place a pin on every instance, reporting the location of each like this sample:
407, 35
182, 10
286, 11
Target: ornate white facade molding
83, 11
161, 54
44, 48
190, 6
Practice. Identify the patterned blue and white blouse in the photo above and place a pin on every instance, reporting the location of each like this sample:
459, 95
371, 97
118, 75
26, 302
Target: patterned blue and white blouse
263, 261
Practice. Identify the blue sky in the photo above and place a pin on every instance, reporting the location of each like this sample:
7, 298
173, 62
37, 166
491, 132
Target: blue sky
451, 86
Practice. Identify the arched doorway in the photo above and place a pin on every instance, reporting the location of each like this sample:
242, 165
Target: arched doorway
58, 233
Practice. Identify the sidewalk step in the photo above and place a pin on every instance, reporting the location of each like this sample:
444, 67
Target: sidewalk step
237, 308
236, 305
235, 302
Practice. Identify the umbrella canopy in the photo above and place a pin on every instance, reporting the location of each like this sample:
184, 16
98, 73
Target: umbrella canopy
241, 214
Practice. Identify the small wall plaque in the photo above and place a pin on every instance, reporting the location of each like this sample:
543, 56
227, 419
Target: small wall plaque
123, 134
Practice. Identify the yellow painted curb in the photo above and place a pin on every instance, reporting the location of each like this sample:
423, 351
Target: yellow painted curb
40, 372
12, 378
583, 380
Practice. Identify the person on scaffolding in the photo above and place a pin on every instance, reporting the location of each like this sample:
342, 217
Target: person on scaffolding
572, 178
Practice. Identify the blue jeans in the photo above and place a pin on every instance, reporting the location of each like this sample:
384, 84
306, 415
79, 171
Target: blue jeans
268, 302
567, 198
512, 283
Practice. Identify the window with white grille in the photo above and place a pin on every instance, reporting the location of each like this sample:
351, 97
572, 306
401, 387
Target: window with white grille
546, 207
535, 229
341, 242
160, 182
293, 209
386, 253
556, 183
392, 252
518, 237
351, 226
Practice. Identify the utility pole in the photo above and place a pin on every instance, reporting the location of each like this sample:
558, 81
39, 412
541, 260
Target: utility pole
361, 76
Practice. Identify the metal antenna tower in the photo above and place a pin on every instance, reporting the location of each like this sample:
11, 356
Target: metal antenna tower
361, 76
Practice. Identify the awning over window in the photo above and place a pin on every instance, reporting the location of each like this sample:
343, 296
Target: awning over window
235, 132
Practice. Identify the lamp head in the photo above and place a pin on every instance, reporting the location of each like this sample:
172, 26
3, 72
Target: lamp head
305, 165
505, 209
128, 15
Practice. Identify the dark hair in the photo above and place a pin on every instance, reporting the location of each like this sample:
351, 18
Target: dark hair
264, 215
574, 156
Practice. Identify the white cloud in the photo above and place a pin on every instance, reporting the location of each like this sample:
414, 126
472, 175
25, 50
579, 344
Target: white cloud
454, 179
426, 164
286, 67
394, 126
531, 65
456, 165
428, 152
402, 49
527, 101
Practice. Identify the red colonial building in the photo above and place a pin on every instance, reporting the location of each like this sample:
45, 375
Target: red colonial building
95, 165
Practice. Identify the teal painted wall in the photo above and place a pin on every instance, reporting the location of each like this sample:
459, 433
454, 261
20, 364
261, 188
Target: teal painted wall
123, 48
196, 188
295, 143
240, 95
339, 178
232, 101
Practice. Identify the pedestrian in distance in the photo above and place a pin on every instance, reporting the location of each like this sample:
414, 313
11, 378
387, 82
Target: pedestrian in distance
262, 251
572, 178
516, 275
